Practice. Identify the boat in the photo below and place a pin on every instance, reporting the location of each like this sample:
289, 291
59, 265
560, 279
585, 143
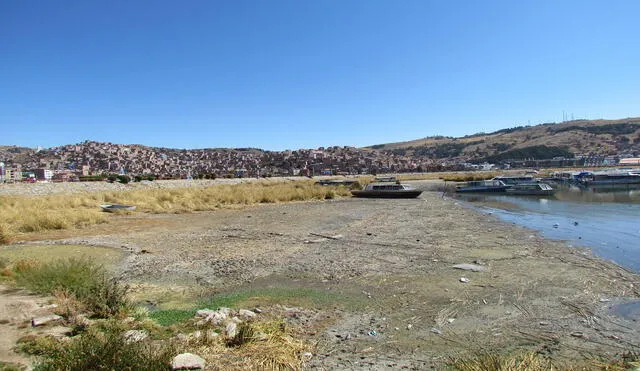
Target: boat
531, 189
117, 207
515, 179
387, 190
482, 186
598, 178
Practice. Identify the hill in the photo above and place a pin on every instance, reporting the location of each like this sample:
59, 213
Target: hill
578, 137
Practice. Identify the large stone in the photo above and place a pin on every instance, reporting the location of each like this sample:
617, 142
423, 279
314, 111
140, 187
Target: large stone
133, 336
246, 313
41, 321
231, 330
470, 267
187, 361
204, 313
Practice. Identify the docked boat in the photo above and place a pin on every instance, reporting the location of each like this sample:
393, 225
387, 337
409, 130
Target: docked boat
531, 189
387, 190
117, 207
609, 177
515, 179
482, 186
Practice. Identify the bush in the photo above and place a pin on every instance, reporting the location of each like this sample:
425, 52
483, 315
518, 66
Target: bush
124, 179
137, 178
87, 282
105, 349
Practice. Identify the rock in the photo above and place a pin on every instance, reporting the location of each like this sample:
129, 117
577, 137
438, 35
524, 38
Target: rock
133, 336
307, 355
247, 314
204, 313
605, 300
464, 280
231, 330
451, 320
556, 225
187, 361
218, 316
470, 267
544, 323
436, 331
409, 326
41, 321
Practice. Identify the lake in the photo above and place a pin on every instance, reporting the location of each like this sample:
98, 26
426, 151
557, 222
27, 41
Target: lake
606, 222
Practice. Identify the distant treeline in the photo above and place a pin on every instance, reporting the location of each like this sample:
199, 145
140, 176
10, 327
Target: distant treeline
614, 129
533, 152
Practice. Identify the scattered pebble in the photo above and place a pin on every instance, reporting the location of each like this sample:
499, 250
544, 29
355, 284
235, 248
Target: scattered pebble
464, 280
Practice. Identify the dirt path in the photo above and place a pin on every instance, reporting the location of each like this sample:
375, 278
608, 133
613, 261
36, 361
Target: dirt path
17, 308
389, 263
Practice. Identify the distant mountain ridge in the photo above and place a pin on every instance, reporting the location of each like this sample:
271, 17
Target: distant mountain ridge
573, 138
577, 137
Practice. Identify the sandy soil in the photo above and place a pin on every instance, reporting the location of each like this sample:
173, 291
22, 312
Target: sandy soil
400, 303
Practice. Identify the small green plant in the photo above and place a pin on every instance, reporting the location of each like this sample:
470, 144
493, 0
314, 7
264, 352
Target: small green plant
124, 179
100, 349
87, 282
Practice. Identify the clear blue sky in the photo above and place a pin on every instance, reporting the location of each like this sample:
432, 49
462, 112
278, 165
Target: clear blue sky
306, 73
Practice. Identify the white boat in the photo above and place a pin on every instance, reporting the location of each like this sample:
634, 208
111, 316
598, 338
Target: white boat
610, 177
530, 189
476, 186
117, 207
387, 190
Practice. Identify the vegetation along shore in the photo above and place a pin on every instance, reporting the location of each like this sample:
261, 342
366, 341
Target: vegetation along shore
293, 275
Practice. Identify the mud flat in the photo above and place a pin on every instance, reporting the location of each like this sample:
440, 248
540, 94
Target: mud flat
385, 267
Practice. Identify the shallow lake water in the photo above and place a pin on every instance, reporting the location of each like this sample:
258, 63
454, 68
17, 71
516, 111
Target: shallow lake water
606, 222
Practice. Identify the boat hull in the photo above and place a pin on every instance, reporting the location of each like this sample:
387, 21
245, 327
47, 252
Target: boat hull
387, 194
115, 207
521, 192
481, 189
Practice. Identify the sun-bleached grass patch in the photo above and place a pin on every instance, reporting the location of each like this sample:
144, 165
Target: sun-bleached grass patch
27, 215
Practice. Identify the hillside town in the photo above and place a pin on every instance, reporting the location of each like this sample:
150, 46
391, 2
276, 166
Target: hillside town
83, 160
89, 159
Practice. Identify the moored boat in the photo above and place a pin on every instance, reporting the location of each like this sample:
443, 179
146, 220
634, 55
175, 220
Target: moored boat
609, 177
387, 190
482, 186
531, 189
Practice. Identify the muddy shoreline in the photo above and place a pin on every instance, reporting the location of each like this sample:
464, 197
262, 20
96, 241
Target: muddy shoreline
388, 264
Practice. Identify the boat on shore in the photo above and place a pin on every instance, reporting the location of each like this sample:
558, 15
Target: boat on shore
387, 190
530, 189
478, 186
117, 207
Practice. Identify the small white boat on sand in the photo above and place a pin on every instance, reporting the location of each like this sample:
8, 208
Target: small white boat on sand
117, 207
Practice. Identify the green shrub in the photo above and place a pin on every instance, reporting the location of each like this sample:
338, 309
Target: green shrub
124, 179
105, 349
89, 283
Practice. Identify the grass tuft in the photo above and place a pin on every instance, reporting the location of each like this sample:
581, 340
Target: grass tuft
519, 361
77, 278
100, 349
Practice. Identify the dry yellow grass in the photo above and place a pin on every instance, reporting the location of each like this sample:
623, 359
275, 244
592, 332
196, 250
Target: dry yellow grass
24, 215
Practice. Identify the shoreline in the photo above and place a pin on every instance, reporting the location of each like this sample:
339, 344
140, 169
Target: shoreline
390, 270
